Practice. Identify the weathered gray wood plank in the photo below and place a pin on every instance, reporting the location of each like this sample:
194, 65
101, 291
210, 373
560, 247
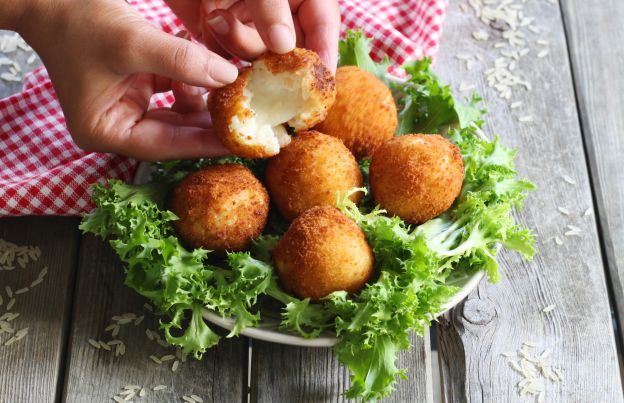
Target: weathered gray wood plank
31, 368
295, 374
595, 35
96, 375
500, 318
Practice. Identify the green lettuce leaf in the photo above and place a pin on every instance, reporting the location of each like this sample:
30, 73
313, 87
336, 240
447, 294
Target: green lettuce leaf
416, 267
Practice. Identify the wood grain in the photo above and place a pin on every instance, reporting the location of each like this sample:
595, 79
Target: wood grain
595, 36
96, 375
31, 368
296, 374
500, 318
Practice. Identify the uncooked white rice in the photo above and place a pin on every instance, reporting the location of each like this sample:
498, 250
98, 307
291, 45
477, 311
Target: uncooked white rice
563, 210
167, 357
159, 387
155, 359
104, 345
587, 212
142, 392
525, 119
188, 399
10, 304
22, 291
149, 334
8, 291
148, 307
174, 366
568, 179
139, 320
94, 343
549, 308
197, 398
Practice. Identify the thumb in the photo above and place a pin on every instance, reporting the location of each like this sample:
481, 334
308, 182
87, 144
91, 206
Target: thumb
163, 54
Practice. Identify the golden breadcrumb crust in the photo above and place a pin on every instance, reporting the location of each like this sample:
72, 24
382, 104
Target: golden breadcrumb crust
416, 177
221, 207
226, 102
364, 115
323, 251
309, 171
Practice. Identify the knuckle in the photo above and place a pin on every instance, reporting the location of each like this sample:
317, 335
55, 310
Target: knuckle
182, 57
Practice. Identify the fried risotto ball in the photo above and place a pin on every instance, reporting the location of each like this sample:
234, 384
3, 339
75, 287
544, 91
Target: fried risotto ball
416, 177
220, 208
292, 91
364, 115
309, 172
323, 251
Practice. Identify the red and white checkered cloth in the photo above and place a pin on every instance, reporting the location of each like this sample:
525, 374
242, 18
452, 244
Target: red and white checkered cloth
43, 172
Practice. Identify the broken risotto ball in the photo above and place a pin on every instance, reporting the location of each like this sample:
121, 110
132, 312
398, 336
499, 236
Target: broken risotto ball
253, 115
220, 208
364, 115
323, 251
417, 176
310, 172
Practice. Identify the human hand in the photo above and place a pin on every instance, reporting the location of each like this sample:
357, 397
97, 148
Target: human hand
106, 61
247, 28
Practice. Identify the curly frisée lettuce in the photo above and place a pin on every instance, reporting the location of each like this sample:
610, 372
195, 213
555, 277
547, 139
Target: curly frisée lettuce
416, 266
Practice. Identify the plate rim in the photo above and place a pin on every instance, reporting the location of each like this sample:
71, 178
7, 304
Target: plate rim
324, 340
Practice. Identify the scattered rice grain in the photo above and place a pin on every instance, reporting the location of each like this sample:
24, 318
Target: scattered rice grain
197, 398
568, 179
94, 343
22, 291
549, 308
159, 387
587, 212
155, 359
148, 307
9, 291
167, 357
10, 304
174, 366
543, 53
149, 334
563, 210
525, 119
188, 399
139, 320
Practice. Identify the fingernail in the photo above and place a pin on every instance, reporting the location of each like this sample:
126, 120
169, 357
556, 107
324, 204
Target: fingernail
219, 25
225, 72
282, 38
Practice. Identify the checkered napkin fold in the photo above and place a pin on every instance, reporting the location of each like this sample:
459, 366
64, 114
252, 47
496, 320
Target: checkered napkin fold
43, 172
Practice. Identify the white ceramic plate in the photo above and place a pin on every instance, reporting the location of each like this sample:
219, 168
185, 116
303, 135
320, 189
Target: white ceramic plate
268, 328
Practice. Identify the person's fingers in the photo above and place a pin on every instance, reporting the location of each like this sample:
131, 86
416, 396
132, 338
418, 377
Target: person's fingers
237, 38
212, 5
153, 51
187, 98
200, 119
273, 20
240, 11
299, 32
320, 22
155, 140
187, 12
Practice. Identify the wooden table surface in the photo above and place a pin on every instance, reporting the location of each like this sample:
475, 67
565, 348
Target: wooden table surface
577, 132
